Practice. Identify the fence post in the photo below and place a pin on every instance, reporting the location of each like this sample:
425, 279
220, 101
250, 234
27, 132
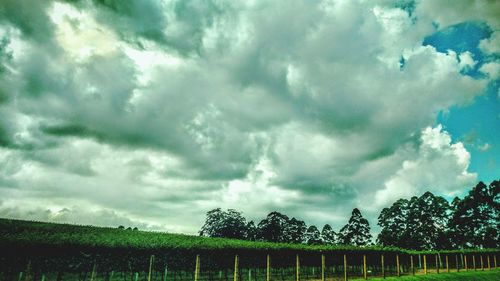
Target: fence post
465, 262
397, 265
268, 269
364, 267
151, 261
236, 263
165, 272
28, 271
437, 263
345, 267
322, 267
383, 266
425, 264
474, 261
447, 265
412, 265
197, 268
297, 261
92, 275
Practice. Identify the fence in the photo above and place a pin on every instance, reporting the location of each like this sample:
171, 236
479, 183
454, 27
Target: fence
322, 266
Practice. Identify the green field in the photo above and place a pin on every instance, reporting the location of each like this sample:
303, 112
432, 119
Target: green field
32, 233
40, 233
72, 252
493, 275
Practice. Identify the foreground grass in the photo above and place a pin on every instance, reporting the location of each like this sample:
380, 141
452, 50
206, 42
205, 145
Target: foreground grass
493, 275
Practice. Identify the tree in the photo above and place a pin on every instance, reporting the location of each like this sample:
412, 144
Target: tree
394, 223
328, 235
251, 231
229, 224
427, 219
313, 236
273, 228
356, 232
418, 223
475, 221
296, 231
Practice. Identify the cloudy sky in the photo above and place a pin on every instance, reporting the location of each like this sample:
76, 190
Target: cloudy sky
150, 113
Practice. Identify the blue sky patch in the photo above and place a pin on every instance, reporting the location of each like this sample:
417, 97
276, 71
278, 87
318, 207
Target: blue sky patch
477, 125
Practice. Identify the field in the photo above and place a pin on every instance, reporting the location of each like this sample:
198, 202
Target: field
463, 276
35, 251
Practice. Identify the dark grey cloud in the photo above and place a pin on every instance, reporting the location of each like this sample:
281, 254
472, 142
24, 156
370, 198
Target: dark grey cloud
30, 17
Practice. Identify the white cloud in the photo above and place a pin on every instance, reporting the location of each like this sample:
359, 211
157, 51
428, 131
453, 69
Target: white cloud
436, 156
492, 69
79, 34
445, 14
155, 113
484, 147
466, 60
491, 45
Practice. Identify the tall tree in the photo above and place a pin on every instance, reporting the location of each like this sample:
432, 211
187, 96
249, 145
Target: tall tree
251, 231
328, 235
418, 223
296, 231
394, 223
273, 228
475, 221
356, 232
228, 224
313, 236
427, 219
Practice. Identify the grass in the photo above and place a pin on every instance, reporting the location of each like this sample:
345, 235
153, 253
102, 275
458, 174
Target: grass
493, 275
29, 233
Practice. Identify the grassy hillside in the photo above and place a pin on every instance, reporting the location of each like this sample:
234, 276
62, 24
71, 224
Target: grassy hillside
50, 247
26, 233
39, 233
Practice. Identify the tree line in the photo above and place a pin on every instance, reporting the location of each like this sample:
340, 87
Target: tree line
419, 223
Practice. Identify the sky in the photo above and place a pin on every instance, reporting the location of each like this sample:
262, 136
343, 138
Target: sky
151, 113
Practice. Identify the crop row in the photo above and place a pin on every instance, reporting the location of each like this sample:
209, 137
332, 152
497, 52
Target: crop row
46, 247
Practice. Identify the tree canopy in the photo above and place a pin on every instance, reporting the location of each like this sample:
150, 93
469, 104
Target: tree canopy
426, 222
356, 232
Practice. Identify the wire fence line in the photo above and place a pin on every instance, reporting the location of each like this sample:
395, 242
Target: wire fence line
244, 267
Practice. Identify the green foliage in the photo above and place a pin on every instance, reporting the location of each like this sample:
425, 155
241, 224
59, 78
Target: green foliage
430, 222
251, 231
295, 231
61, 247
274, 228
328, 235
313, 236
418, 223
230, 224
475, 221
27, 233
356, 232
